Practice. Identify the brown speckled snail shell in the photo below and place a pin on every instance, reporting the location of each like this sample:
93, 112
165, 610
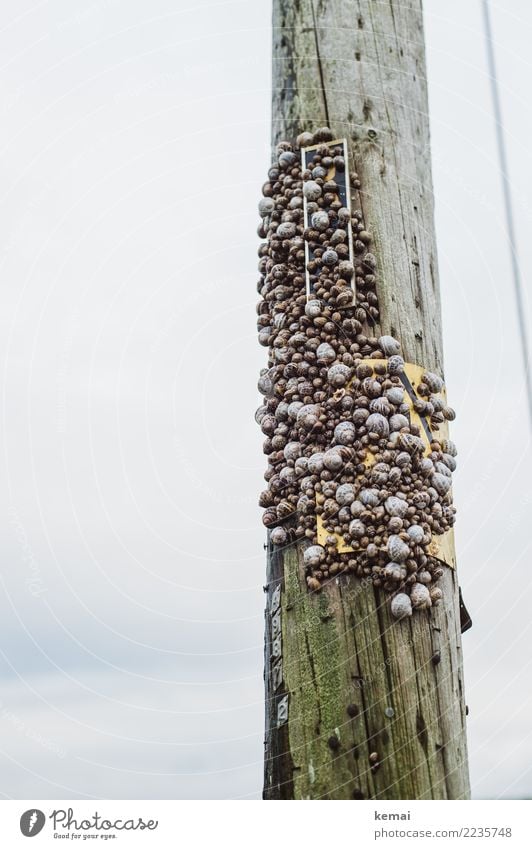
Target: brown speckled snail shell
397, 549
401, 606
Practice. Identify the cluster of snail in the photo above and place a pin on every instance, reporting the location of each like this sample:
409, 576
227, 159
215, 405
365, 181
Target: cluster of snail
345, 456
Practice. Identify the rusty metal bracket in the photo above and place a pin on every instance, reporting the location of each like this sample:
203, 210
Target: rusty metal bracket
465, 619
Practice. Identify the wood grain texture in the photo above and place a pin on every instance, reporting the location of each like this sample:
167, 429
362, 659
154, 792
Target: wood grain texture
358, 66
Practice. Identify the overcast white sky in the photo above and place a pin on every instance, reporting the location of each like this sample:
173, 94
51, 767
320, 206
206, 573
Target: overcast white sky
134, 141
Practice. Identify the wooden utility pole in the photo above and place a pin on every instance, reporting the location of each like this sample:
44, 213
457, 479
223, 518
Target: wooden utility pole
362, 706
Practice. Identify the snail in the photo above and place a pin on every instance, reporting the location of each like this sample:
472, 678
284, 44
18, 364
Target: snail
312, 190
313, 309
340, 441
396, 506
369, 497
266, 207
416, 534
345, 494
344, 433
389, 346
313, 555
377, 423
332, 460
279, 536
397, 549
338, 374
433, 381
325, 353
394, 572
401, 606
420, 596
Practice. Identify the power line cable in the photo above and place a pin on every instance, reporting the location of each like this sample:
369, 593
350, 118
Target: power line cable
508, 202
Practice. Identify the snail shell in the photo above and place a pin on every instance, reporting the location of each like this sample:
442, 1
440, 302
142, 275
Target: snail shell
397, 549
395, 395
344, 433
410, 443
260, 412
396, 364
330, 508
286, 230
287, 159
448, 447
284, 509
269, 517
420, 596
441, 483
389, 346
424, 577
396, 506
338, 374
398, 421
323, 134
360, 415
266, 207
449, 414
313, 555
293, 409
403, 459
357, 508
436, 595
375, 423
449, 461
369, 497
330, 257
401, 606
304, 139
346, 269
379, 474
305, 410
380, 405
268, 424
325, 353
313, 308
332, 460
315, 463
320, 220
344, 515
394, 572
292, 450
371, 387
345, 494
311, 190
264, 336
357, 529
279, 536
329, 488
265, 384
433, 381
416, 534
287, 475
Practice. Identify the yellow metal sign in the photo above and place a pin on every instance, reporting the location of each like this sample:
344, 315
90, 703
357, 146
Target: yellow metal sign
442, 546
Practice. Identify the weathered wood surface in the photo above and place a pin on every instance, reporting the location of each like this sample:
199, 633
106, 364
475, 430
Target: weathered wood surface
358, 66
342, 654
